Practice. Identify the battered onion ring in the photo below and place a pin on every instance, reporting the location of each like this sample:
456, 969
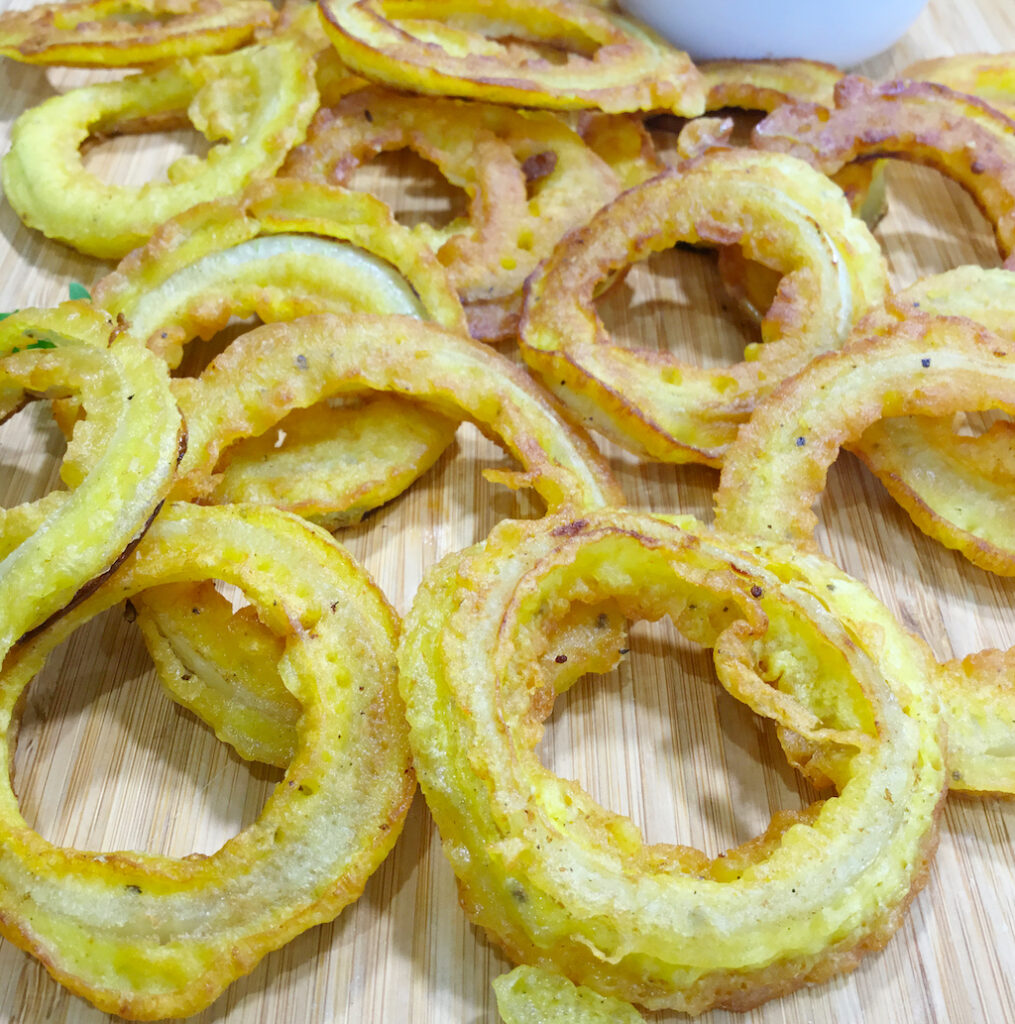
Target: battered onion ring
451, 48
957, 489
528, 176
276, 368
960, 136
531, 995
259, 100
118, 467
284, 249
149, 936
764, 85
923, 365
648, 401
338, 251
557, 880
129, 33
769, 84
989, 76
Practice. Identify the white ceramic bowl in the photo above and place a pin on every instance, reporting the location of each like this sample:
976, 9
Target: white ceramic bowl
841, 32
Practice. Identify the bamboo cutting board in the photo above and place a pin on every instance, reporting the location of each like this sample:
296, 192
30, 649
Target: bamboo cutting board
105, 762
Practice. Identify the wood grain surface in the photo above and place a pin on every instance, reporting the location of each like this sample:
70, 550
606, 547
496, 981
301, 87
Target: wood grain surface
104, 761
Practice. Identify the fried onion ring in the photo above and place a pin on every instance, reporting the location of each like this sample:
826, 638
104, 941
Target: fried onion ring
129, 33
559, 881
528, 176
118, 466
452, 48
276, 368
922, 365
285, 249
148, 936
988, 76
254, 104
647, 401
960, 136
956, 488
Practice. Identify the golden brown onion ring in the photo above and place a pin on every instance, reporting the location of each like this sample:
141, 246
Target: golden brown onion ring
148, 936
453, 48
922, 365
781, 214
988, 76
118, 466
274, 369
561, 882
960, 136
285, 249
956, 488
529, 179
254, 104
129, 33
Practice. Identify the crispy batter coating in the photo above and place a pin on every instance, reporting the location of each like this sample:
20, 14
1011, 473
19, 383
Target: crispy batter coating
119, 464
254, 105
528, 176
276, 368
129, 33
561, 882
531, 53
989, 76
921, 365
781, 214
147, 936
532, 995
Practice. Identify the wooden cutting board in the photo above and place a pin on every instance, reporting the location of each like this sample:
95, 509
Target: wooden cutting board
105, 762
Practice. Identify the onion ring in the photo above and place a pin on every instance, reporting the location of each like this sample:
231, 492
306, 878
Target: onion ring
988, 76
450, 48
960, 136
649, 402
259, 100
557, 880
276, 368
119, 463
281, 250
129, 33
957, 489
151, 936
528, 176
923, 365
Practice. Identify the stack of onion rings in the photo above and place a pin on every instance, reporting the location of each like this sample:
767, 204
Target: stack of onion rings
281, 250
962, 137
